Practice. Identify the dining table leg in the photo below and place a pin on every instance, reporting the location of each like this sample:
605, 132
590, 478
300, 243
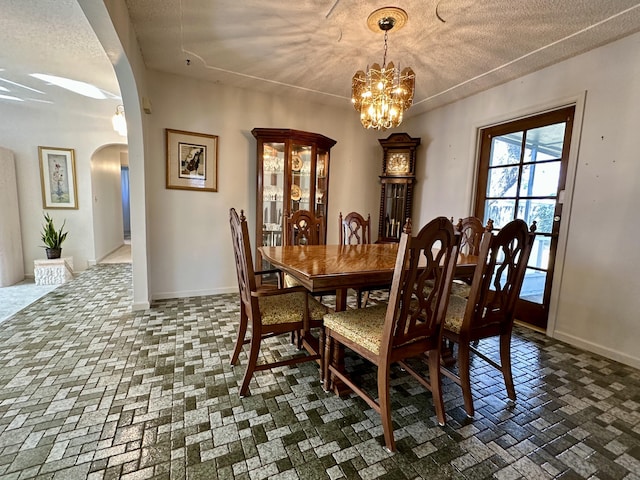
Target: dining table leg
339, 388
341, 299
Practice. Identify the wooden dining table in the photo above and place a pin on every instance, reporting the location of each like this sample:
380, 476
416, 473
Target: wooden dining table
322, 268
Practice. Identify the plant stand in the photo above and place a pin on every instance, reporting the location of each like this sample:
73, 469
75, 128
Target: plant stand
53, 272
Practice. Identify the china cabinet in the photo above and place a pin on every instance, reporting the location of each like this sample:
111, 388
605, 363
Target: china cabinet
397, 179
293, 174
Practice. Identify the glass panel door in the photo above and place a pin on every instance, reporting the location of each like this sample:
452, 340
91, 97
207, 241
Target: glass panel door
522, 175
395, 201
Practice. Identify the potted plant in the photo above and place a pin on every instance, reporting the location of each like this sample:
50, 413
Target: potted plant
52, 238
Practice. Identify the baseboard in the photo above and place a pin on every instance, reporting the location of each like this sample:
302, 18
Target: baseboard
599, 349
193, 293
140, 306
106, 255
530, 327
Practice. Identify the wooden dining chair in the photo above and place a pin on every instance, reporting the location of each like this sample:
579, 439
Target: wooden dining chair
407, 326
304, 228
268, 310
489, 309
470, 230
355, 230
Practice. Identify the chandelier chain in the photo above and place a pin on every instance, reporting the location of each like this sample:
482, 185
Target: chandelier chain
384, 58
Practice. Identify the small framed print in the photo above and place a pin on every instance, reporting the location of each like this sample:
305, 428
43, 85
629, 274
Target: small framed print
192, 161
58, 177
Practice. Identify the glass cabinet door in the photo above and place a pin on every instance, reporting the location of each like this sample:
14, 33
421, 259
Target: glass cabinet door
322, 165
293, 174
300, 178
273, 158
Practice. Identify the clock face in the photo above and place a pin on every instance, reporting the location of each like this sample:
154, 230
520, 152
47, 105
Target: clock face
398, 163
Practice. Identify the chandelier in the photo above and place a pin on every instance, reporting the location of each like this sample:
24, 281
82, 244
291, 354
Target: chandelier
382, 94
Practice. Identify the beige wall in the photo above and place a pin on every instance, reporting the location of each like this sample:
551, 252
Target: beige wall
191, 251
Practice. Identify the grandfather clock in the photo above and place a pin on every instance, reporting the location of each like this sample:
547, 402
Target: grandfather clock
397, 179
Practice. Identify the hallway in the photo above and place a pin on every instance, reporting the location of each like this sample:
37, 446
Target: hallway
16, 297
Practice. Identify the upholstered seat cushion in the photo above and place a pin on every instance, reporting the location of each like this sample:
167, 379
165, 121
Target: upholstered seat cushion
362, 326
455, 313
317, 310
460, 289
288, 308
291, 281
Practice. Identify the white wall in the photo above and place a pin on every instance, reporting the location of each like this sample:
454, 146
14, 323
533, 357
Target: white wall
190, 247
595, 303
54, 126
107, 200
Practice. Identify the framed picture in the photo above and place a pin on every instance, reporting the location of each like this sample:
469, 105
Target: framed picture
58, 177
192, 161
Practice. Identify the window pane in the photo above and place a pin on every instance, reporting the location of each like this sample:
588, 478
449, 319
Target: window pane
540, 180
539, 257
502, 182
539, 210
533, 286
544, 143
506, 149
500, 211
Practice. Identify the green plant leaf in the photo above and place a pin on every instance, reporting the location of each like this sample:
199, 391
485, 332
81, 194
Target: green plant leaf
51, 237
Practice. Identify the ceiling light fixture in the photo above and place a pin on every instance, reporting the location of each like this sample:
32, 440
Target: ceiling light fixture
119, 121
383, 93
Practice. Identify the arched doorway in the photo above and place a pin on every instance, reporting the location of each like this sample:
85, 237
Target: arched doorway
110, 199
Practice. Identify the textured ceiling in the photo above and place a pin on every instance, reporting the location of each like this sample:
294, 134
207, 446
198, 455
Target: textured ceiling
52, 37
308, 49
312, 48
